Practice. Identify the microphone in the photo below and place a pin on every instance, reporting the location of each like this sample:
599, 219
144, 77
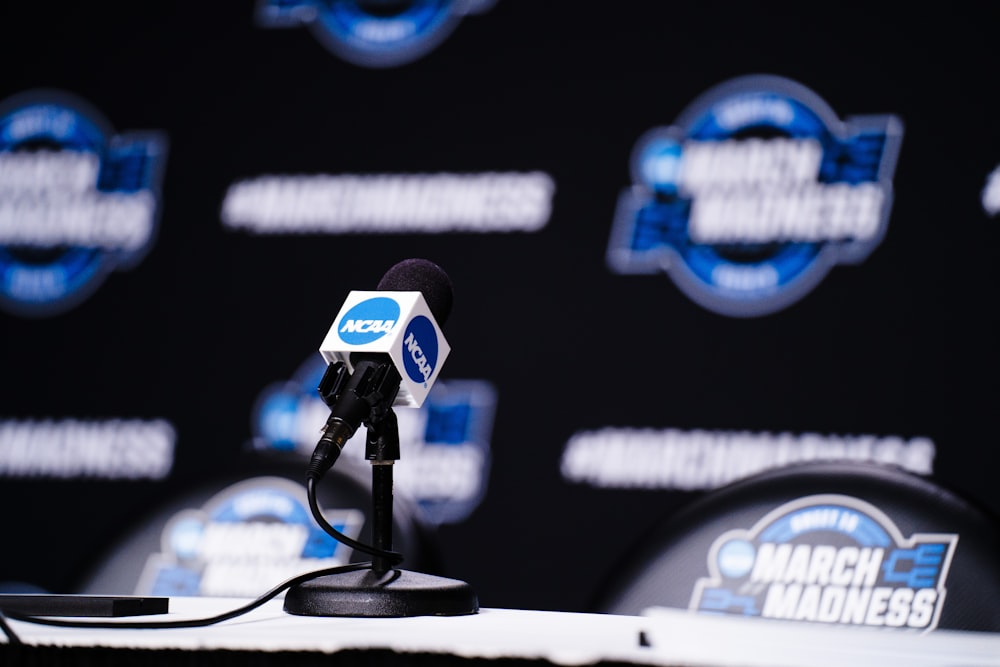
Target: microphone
384, 348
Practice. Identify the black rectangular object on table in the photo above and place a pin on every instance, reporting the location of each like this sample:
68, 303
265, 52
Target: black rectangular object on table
45, 604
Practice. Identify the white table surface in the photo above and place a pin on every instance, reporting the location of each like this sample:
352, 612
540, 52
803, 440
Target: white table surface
563, 638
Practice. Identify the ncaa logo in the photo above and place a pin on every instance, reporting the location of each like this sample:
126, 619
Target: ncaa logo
368, 321
373, 33
420, 349
754, 194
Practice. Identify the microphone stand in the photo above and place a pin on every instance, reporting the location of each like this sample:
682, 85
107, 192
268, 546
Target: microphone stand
381, 590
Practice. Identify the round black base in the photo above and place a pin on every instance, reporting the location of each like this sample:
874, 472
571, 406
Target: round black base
389, 594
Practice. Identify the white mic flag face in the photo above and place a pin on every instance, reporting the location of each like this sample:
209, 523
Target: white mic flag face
399, 324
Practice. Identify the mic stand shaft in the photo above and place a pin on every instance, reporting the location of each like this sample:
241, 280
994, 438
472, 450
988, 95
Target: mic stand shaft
382, 449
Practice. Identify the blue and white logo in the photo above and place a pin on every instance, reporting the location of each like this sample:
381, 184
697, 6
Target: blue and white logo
754, 194
373, 33
829, 559
76, 200
420, 349
368, 321
445, 443
246, 539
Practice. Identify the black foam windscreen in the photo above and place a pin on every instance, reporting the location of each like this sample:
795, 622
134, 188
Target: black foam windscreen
421, 275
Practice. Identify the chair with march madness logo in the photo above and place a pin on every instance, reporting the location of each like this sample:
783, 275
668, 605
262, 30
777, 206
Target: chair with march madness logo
244, 533
834, 542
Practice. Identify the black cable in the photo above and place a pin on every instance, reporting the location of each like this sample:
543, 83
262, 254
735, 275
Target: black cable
12, 637
191, 623
393, 557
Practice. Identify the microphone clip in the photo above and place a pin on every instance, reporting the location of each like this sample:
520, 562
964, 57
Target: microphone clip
332, 382
363, 396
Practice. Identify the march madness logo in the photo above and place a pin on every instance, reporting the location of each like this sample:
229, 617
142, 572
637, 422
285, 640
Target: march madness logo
754, 194
248, 538
829, 559
77, 201
373, 33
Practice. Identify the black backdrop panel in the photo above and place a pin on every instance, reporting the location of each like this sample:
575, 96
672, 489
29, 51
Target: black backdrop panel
900, 345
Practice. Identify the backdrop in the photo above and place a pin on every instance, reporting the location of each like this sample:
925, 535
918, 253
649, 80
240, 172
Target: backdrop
688, 242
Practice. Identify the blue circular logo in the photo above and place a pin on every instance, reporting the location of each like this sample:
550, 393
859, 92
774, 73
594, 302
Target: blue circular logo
736, 558
185, 537
420, 349
368, 321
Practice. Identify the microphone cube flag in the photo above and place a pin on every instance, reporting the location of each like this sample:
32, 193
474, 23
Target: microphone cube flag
399, 324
